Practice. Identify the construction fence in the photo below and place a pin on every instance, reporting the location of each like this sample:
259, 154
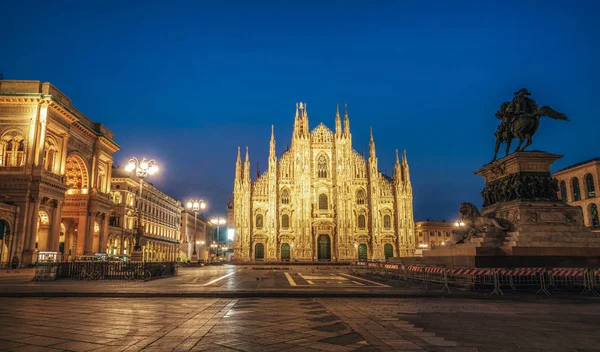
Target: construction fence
496, 280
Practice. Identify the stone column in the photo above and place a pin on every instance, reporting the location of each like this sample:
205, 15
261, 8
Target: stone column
54, 235
29, 251
103, 233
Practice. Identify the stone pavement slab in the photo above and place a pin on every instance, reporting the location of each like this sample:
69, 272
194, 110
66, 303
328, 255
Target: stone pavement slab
296, 324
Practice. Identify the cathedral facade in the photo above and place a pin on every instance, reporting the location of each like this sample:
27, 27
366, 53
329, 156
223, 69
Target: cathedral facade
322, 200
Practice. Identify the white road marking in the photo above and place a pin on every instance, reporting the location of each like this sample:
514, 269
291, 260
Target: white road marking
219, 278
290, 280
358, 283
369, 281
310, 282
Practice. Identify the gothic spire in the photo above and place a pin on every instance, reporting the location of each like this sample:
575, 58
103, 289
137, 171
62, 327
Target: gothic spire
257, 171
338, 121
272, 149
371, 144
405, 171
346, 121
247, 166
238, 165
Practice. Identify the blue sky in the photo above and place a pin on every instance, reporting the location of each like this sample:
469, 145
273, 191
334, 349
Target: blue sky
186, 83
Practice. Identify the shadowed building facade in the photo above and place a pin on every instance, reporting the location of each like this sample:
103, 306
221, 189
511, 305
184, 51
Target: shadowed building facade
322, 200
55, 167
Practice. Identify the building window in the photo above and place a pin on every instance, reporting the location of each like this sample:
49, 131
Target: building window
387, 222
563, 191
594, 216
285, 196
361, 221
360, 196
259, 221
285, 221
50, 153
323, 202
420, 234
576, 191
322, 167
589, 185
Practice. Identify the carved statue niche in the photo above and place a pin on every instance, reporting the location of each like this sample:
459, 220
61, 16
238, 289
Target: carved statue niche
476, 225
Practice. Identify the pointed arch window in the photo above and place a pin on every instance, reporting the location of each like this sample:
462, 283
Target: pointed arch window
589, 185
576, 190
360, 196
285, 196
285, 221
387, 222
361, 221
259, 221
563, 191
323, 202
594, 220
322, 167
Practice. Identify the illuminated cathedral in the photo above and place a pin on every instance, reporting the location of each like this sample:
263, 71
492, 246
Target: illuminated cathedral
322, 200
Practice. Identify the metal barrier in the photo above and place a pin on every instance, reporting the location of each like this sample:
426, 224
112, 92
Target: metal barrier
540, 280
104, 271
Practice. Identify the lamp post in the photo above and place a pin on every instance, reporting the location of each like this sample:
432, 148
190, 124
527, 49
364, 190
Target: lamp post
142, 169
195, 206
215, 247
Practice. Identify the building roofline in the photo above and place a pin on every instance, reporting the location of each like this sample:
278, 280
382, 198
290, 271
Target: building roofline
589, 161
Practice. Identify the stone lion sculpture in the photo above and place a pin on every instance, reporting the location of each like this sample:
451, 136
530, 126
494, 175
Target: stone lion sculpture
473, 224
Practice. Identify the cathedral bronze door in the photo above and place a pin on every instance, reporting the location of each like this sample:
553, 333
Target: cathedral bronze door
388, 251
324, 247
285, 252
362, 252
259, 252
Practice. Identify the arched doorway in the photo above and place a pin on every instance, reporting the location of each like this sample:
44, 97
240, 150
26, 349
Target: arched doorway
285, 252
388, 251
362, 252
324, 247
259, 251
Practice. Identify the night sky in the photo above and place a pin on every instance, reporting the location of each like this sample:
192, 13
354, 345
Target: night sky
187, 83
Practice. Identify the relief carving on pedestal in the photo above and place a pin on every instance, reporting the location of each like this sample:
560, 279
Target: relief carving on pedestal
570, 217
531, 217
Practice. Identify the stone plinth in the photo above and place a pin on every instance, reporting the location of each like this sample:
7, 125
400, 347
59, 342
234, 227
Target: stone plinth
543, 231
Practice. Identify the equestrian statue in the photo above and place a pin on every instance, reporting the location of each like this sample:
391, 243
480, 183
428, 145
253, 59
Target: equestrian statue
520, 118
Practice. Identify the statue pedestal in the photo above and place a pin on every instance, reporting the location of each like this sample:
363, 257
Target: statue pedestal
543, 231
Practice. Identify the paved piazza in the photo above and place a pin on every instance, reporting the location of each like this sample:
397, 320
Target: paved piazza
295, 324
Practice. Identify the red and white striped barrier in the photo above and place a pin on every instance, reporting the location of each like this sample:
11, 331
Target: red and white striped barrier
391, 266
434, 270
521, 271
470, 271
567, 272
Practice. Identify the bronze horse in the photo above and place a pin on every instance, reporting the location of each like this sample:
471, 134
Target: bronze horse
522, 126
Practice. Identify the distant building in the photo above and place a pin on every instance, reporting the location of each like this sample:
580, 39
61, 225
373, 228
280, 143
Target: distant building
431, 234
192, 232
578, 186
160, 217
